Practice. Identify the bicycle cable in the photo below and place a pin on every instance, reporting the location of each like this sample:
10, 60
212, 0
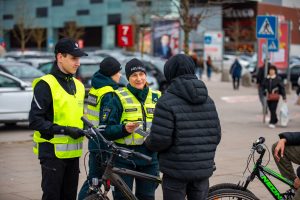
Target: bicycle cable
248, 162
268, 156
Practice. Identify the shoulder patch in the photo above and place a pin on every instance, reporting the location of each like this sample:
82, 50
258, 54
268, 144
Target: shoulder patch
92, 100
154, 97
106, 112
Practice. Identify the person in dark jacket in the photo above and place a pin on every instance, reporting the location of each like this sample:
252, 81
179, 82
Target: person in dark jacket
128, 115
273, 84
285, 152
56, 109
209, 67
104, 82
260, 76
185, 132
236, 71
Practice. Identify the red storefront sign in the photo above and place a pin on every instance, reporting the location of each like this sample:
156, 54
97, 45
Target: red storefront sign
279, 58
125, 35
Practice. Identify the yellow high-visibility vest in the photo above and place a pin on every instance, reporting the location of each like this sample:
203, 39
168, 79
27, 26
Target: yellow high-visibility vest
94, 101
134, 111
67, 111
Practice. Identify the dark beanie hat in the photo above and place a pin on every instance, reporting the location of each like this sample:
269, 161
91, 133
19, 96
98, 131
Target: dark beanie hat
109, 66
134, 65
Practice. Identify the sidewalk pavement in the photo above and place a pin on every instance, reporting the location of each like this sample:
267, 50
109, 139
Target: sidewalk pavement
241, 120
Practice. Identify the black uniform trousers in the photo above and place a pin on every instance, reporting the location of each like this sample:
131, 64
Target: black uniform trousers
59, 178
273, 108
175, 189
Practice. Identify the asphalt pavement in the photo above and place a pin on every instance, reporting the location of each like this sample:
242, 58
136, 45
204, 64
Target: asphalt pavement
241, 120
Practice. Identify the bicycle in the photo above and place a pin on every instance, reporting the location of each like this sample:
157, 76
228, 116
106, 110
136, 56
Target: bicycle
111, 174
259, 171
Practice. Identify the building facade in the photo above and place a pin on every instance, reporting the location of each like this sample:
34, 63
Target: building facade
97, 19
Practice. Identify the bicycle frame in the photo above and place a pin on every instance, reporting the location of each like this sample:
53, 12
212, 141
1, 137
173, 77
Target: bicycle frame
112, 174
261, 173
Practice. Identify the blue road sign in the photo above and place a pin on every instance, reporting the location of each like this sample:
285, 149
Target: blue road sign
207, 39
273, 45
266, 27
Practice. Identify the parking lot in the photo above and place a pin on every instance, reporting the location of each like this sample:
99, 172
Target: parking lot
241, 120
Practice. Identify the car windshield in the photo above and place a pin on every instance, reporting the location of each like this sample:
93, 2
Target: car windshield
24, 71
88, 70
46, 67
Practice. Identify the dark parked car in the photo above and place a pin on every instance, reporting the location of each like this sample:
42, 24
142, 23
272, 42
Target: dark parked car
295, 73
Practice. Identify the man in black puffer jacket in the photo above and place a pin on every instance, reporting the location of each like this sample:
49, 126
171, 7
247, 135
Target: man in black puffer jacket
185, 132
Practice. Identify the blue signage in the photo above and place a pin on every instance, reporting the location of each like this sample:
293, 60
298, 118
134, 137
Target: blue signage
207, 39
273, 45
266, 27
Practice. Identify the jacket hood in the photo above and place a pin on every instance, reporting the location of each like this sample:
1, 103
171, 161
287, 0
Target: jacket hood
99, 80
178, 65
189, 88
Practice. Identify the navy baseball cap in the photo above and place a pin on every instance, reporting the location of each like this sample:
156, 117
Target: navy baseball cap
69, 46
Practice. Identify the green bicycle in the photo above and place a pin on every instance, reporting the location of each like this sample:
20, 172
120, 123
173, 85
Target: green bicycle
240, 191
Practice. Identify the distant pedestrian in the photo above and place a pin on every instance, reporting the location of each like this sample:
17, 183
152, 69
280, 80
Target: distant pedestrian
209, 67
260, 76
198, 64
185, 132
236, 71
273, 87
200, 67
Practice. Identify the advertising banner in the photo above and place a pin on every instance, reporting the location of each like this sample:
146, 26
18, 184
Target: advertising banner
280, 57
125, 35
213, 45
146, 39
165, 38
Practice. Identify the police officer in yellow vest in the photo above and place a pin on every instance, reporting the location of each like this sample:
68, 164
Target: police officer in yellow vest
104, 82
129, 117
56, 109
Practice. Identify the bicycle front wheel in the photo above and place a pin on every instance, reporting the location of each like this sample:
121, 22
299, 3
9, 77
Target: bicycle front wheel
231, 194
227, 186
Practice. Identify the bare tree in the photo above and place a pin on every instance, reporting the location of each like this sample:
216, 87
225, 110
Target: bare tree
189, 21
21, 30
144, 7
39, 36
73, 31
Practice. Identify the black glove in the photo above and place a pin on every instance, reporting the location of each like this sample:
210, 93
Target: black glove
73, 132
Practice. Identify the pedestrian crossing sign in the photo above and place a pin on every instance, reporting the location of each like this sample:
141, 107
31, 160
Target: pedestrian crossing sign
266, 27
273, 45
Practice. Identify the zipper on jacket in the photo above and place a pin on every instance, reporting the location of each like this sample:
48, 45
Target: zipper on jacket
144, 117
70, 89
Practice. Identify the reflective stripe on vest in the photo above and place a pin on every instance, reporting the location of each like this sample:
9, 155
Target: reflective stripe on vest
132, 112
94, 101
67, 111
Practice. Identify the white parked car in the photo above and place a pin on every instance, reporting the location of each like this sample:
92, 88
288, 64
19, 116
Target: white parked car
15, 99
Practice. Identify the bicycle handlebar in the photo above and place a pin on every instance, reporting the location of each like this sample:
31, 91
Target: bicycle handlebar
142, 156
260, 140
85, 121
124, 152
